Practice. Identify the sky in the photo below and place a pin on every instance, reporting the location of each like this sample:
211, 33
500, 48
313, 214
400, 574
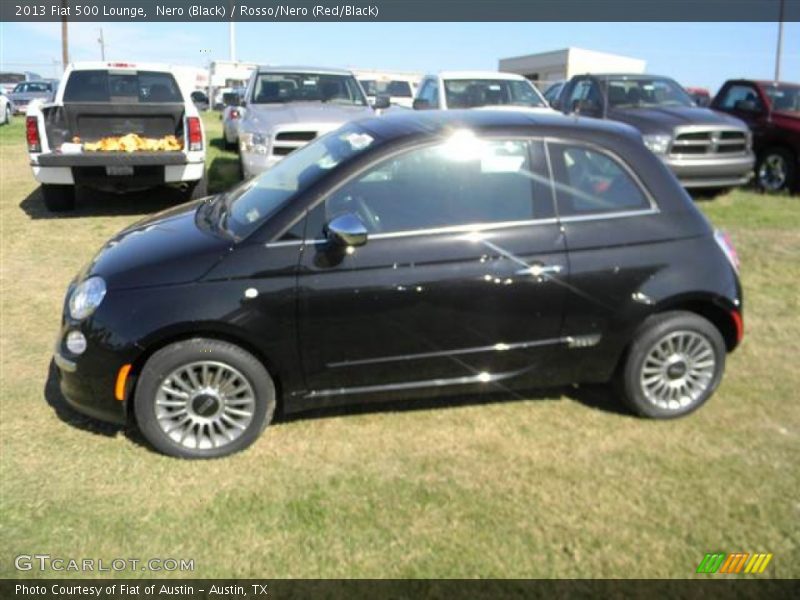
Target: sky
695, 54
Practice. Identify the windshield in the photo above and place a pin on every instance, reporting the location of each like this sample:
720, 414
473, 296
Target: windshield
254, 201
473, 93
121, 86
646, 91
395, 88
281, 88
784, 97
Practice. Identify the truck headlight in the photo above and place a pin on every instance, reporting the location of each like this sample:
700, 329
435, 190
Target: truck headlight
254, 143
86, 297
657, 143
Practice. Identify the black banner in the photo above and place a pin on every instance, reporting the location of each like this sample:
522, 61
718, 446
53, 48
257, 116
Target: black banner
399, 10
351, 589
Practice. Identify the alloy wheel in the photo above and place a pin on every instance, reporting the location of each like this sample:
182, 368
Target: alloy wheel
678, 370
205, 404
773, 172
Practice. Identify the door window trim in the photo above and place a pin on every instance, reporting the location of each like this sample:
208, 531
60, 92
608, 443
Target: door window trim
637, 212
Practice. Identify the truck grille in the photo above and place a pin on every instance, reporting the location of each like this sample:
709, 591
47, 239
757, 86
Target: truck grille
287, 142
709, 142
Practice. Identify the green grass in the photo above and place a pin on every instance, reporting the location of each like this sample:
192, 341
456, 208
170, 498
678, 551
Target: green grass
543, 487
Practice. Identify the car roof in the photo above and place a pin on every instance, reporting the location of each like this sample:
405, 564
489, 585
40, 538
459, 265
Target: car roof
90, 65
302, 69
626, 75
477, 75
433, 123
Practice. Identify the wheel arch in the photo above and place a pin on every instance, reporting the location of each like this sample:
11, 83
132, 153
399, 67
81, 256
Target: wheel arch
209, 330
716, 309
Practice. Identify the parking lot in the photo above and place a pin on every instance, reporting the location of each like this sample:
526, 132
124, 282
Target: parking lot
561, 483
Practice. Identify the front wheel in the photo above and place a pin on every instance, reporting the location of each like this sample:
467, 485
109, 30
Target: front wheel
776, 170
673, 365
203, 398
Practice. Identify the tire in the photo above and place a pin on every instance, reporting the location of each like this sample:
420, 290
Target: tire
7, 115
209, 430
653, 367
58, 198
198, 189
776, 170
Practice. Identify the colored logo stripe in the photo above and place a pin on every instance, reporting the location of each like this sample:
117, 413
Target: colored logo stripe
734, 563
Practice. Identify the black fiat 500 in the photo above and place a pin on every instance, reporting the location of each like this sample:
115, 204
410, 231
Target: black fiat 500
411, 255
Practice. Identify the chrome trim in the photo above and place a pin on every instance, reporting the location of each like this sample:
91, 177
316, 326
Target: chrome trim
483, 377
615, 215
281, 243
469, 228
499, 347
64, 364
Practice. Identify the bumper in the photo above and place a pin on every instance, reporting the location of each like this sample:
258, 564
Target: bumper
87, 382
712, 172
74, 173
254, 164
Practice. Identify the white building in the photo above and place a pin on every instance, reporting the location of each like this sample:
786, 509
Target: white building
546, 67
225, 75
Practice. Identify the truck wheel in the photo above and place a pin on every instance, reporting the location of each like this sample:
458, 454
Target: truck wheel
198, 189
776, 170
203, 398
58, 198
674, 364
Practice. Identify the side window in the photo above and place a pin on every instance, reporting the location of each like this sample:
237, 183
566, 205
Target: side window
591, 182
740, 93
430, 93
583, 90
458, 182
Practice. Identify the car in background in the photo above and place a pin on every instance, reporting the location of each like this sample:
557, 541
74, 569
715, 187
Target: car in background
9, 79
553, 90
6, 110
117, 127
414, 255
772, 111
703, 147
200, 99
400, 89
287, 107
449, 90
231, 116
700, 96
27, 91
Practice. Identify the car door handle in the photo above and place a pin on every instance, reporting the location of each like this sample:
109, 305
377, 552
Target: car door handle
538, 269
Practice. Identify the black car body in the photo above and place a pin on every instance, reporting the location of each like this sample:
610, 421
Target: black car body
704, 148
408, 268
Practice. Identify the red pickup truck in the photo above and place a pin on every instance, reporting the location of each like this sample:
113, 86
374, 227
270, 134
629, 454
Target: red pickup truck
772, 111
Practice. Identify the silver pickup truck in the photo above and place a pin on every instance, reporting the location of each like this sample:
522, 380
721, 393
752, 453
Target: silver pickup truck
284, 108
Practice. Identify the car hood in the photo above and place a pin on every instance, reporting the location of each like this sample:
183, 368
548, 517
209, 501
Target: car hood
666, 119
506, 107
262, 117
163, 249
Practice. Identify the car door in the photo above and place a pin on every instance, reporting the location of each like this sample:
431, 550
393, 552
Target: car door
613, 234
459, 281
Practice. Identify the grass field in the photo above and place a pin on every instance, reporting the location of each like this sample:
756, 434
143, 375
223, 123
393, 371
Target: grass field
560, 485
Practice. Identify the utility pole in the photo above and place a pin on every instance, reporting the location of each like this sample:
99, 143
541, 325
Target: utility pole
780, 44
232, 40
102, 45
64, 36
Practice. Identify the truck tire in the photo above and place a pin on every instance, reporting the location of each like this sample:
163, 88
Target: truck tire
198, 189
776, 170
58, 198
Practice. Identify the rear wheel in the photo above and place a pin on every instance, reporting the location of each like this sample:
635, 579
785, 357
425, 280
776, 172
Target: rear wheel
203, 398
673, 366
776, 170
198, 189
58, 198
7, 115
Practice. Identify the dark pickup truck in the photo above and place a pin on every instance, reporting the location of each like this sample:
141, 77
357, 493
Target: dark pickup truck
772, 110
704, 148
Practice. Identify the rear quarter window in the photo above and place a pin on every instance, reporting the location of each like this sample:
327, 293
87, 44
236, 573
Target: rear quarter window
122, 87
591, 182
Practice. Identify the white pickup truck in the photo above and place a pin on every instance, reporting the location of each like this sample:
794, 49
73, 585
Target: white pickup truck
116, 127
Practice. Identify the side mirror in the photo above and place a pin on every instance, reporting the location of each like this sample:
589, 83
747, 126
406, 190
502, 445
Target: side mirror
420, 104
346, 230
381, 102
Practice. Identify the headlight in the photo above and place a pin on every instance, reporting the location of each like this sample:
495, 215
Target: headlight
86, 297
256, 143
657, 143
